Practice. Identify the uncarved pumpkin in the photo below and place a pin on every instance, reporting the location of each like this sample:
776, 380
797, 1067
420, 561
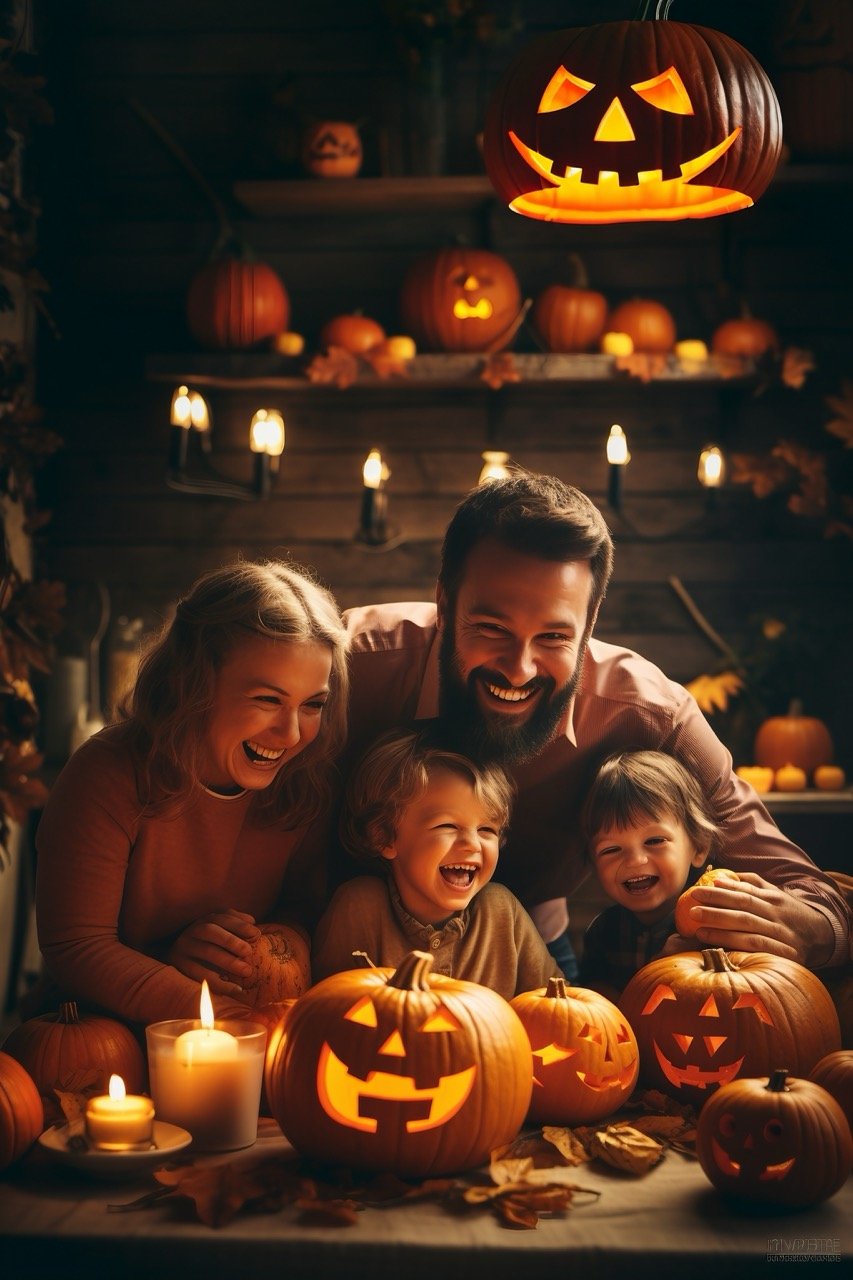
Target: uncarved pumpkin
281, 968
835, 1074
232, 303
684, 923
354, 333
744, 336
649, 325
795, 739
570, 317
461, 299
21, 1111
406, 1072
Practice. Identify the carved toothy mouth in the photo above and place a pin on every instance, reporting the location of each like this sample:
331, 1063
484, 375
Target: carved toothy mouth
479, 310
341, 1094
770, 1173
616, 1080
692, 1076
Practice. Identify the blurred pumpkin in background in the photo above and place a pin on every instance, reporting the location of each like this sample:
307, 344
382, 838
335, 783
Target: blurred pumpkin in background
648, 323
332, 149
461, 299
235, 303
570, 317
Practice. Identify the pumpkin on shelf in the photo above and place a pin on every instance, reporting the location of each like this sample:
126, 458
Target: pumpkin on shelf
461, 299
776, 1139
744, 337
795, 739
73, 1050
703, 1018
648, 323
236, 303
835, 1074
585, 1055
790, 778
332, 149
402, 1071
281, 968
353, 332
684, 924
21, 1111
760, 779
570, 317
829, 777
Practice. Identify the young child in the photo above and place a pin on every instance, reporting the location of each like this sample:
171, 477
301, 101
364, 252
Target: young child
435, 820
648, 832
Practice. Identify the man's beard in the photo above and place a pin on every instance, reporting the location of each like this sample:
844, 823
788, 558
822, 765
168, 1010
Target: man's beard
497, 739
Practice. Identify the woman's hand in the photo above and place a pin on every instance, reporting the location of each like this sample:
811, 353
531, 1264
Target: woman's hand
217, 948
750, 914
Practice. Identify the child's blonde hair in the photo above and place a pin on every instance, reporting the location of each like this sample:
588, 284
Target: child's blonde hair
396, 770
633, 785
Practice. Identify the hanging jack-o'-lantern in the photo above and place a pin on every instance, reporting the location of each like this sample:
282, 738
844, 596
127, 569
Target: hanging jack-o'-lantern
585, 1056
332, 149
632, 121
461, 299
404, 1071
704, 1018
774, 1140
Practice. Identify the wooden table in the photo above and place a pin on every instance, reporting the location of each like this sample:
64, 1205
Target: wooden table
54, 1222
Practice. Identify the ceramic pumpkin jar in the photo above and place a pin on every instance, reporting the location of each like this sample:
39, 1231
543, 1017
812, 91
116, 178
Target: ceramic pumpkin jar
585, 1056
569, 317
332, 149
460, 299
704, 1018
794, 739
21, 1112
835, 1074
233, 303
629, 121
406, 1071
776, 1140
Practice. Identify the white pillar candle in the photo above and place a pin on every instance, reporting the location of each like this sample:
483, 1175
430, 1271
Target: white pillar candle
119, 1121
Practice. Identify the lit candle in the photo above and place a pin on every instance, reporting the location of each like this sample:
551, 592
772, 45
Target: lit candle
494, 465
119, 1121
188, 411
691, 351
617, 344
712, 467
207, 1079
266, 440
374, 500
617, 457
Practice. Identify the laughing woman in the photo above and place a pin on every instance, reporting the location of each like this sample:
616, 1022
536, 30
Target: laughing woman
168, 836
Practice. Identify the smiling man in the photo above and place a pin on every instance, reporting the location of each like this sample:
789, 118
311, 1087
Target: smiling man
507, 660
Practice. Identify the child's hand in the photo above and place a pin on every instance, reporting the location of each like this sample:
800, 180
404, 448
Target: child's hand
217, 948
751, 914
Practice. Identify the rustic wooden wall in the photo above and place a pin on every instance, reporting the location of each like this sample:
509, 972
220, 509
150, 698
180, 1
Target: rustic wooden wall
124, 229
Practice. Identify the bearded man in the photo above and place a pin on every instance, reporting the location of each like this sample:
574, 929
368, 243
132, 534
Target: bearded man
507, 662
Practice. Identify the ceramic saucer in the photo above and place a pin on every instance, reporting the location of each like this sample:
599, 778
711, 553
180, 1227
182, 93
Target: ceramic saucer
168, 1139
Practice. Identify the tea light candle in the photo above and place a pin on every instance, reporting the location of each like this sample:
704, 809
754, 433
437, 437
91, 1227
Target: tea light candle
119, 1121
618, 458
207, 1079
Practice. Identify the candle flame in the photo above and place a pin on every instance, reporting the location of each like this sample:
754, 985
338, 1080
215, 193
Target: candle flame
372, 471
116, 1088
617, 447
712, 467
206, 1007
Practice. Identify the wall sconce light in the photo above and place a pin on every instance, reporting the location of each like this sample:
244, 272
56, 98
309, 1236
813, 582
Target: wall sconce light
618, 458
712, 467
494, 465
190, 427
374, 501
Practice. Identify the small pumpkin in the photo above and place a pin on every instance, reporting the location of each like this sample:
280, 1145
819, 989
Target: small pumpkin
72, 1050
777, 1139
793, 739
403, 1071
233, 303
703, 1018
585, 1056
684, 924
835, 1074
790, 778
648, 323
744, 336
281, 968
570, 317
21, 1111
353, 332
332, 149
829, 777
461, 299
760, 779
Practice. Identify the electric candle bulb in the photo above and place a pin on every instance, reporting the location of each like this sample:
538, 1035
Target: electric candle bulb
712, 467
494, 465
374, 500
618, 457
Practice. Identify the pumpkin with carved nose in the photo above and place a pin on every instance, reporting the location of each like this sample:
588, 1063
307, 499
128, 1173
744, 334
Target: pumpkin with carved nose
704, 1018
461, 299
585, 1056
403, 1071
630, 121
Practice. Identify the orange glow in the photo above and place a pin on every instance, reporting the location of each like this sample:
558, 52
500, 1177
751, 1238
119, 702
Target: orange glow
341, 1094
614, 125
667, 92
563, 90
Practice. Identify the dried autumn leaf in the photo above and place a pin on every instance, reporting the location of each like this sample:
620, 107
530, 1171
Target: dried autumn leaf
842, 425
515, 1214
336, 366
796, 364
712, 693
498, 369
385, 365
220, 1191
625, 1148
652, 1101
69, 1103
316, 1211
763, 472
569, 1146
642, 365
663, 1128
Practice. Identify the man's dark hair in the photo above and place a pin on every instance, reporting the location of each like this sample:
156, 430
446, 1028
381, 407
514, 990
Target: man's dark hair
535, 514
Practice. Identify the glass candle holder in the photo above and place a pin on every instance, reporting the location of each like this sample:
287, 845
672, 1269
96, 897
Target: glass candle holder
208, 1079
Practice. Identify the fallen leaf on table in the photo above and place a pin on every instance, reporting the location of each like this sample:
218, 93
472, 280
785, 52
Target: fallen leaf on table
220, 1191
664, 1128
316, 1211
520, 1204
69, 1103
626, 1148
570, 1148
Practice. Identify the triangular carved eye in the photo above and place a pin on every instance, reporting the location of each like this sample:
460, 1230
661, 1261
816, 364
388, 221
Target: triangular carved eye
751, 1001
666, 92
441, 1020
563, 90
363, 1012
661, 992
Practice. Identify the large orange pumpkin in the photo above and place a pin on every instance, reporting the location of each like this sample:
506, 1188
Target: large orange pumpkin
703, 1018
570, 317
21, 1113
776, 1140
630, 121
835, 1074
235, 303
281, 968
585, 1056
406, 1072
461, 299
649, 325
795, 739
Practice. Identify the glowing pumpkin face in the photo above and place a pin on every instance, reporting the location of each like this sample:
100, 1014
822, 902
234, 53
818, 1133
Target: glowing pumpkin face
585, 1056
703, 1019
628, 121
774, 1139
332, 149
461, 300
401, 1071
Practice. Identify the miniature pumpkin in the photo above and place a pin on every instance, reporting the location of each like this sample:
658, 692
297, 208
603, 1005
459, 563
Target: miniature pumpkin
776, 1140
684, 924
585, 1056
631, 121
70, 1050
835, 1074
829, 777
793, 739
21, 1112
649, 325
232, 303
460, 299
281, 968
570, 317
405, 1071
354, 333
790, 778
760, 779
744, 336
332, 149
703, 1018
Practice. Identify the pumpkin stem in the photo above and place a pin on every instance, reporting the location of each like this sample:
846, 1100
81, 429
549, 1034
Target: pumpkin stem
795, 707
68, 1012
580, 277
365, 956
556, 989
777, 1081
716, 959
412, 973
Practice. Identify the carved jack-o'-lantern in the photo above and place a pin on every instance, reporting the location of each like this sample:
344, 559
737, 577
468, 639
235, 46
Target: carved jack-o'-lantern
775, 1139
585, 1056
461, 299
628, 121
332, 149
703, 1018
403, 1071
